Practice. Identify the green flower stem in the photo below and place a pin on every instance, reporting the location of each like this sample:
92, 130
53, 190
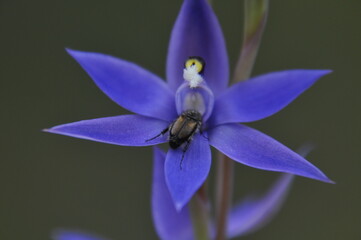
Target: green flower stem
200, 214
256, 12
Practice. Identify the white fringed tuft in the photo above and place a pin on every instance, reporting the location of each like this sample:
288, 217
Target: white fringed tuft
191, 75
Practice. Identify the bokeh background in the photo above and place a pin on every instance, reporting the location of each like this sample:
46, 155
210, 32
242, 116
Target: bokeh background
50, 181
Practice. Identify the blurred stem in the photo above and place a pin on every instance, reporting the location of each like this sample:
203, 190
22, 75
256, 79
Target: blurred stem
199, 214
256, 12
224, 192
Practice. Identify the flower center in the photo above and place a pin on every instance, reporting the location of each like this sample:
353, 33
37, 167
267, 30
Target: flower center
194, 94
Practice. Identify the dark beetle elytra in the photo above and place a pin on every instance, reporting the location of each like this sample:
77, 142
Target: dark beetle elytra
182, 130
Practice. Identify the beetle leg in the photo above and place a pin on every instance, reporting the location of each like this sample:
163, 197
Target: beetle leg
187, 144
160, 134
184, 151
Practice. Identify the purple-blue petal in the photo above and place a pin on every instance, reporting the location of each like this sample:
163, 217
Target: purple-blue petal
129, 85
170, 224
197, 33
74, 235
125, 130
255, 149
184, 179
262, 96
254, 213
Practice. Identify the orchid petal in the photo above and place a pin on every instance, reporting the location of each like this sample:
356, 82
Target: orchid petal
73, 235
262, 96
169, 223
185, 178
254, 213
197, 33
125, 130
129, 85
255, 149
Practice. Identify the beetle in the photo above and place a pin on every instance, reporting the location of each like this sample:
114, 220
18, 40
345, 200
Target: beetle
182, 130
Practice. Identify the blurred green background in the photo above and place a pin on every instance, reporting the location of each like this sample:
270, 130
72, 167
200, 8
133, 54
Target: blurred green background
50, 181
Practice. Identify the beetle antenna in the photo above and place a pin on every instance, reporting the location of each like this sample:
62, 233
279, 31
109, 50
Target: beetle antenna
184, 151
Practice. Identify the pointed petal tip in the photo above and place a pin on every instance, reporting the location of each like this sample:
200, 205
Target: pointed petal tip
54, 130
318, 73
71, 51
324, 71
50, 130
320, 177
305, 149
179, 205
79, 56
77, 53
327, 180
321, 72
60, 130
316, 175
328, 71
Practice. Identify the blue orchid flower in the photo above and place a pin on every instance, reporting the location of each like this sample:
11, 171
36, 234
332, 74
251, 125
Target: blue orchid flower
171, 224
194, 102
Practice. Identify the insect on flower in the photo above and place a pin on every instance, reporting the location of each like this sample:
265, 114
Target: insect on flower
190, 121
